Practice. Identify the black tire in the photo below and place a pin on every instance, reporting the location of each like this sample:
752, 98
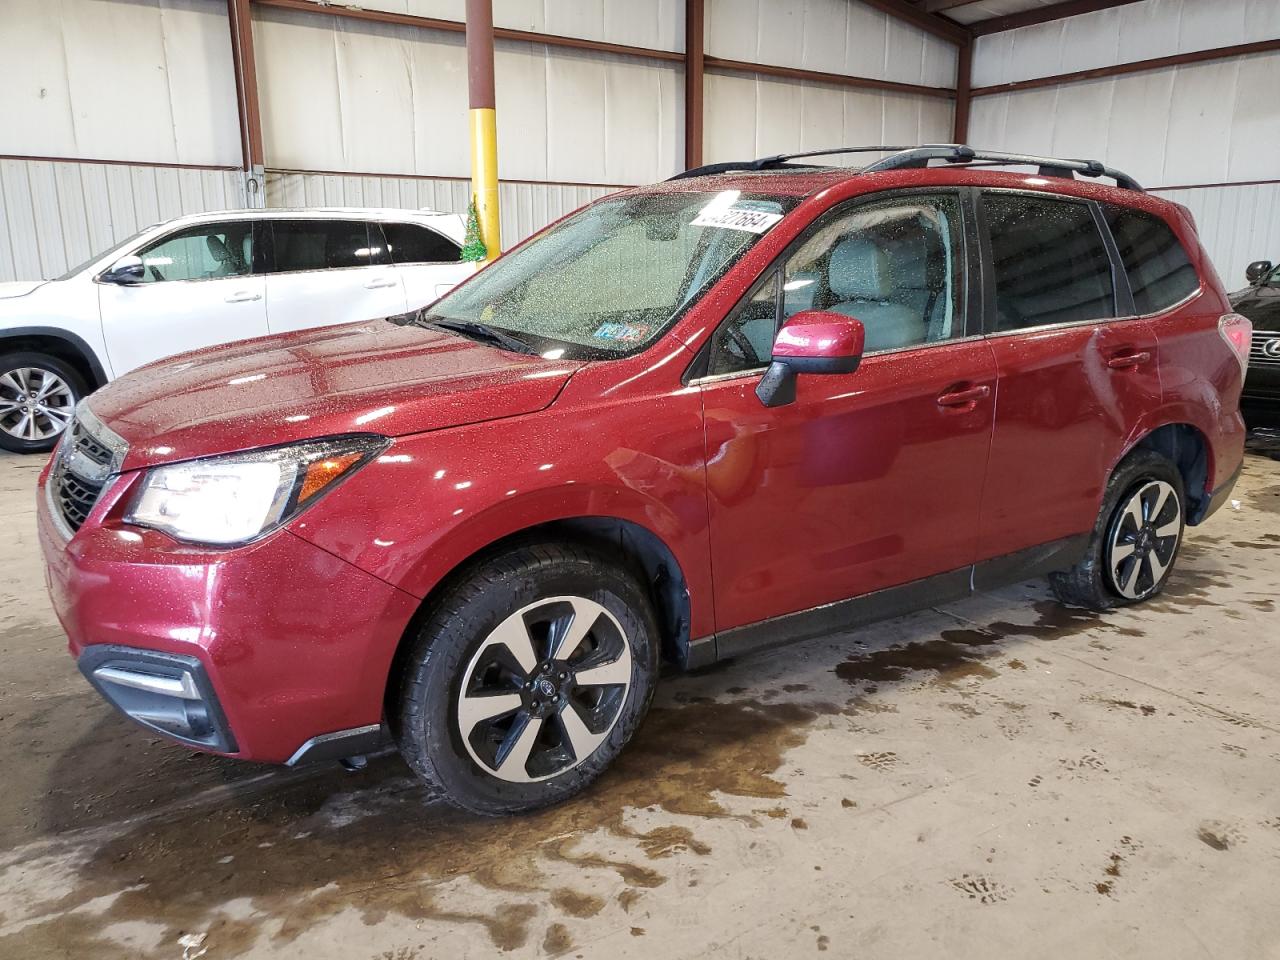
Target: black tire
449, 645
1090, 583
31, 360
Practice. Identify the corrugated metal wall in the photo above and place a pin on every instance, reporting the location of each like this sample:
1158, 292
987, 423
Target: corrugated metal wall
55, 215
750, 116
525, 207
1205, 123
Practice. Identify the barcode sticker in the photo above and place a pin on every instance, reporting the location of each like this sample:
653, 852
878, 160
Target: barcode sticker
738, 218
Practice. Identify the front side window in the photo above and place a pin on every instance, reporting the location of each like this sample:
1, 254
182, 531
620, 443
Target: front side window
1051, 266
412, 243
896, 265
323, 245
611, 278
1160, 272
206, 252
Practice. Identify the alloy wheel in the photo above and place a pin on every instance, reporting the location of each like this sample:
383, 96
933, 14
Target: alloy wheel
1144, 539
35, 404
544, 689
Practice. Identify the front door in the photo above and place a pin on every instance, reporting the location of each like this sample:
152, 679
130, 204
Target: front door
1073, 379
870, 479
199, 289
329, 271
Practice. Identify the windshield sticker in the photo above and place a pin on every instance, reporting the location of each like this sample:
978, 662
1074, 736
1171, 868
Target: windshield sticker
622, 332
737, 218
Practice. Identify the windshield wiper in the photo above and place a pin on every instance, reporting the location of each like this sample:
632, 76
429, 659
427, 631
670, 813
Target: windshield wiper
476, 331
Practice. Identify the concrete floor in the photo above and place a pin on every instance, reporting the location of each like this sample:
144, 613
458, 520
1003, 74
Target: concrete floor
1001, 777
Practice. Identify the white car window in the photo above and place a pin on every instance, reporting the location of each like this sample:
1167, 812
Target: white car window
205, 252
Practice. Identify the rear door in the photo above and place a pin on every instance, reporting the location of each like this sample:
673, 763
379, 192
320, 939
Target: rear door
324, 272
200, 288
426, 260
870, 479
1074, 378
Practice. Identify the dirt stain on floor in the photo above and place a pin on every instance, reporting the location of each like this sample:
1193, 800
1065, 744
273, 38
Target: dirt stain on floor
310, 849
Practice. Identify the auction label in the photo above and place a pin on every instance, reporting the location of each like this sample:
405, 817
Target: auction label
738, 218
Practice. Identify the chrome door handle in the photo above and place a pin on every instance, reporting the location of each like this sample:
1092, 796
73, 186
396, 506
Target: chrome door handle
379, 284
1121, 361
965, 397
244, 296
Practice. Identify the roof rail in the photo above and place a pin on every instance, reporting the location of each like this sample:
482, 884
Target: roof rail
918, 157
777, 161
907, 158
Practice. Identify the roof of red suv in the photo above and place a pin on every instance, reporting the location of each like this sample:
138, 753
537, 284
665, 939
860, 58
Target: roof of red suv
928, 165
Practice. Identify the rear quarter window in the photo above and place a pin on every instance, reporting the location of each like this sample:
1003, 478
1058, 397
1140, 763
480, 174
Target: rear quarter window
1160, 272
411, 243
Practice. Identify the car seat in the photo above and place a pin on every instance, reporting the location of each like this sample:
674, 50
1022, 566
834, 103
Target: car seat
861, 276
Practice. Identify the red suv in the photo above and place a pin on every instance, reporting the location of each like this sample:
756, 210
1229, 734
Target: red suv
690, 421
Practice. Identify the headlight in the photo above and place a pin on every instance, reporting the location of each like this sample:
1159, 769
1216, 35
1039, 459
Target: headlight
237, 498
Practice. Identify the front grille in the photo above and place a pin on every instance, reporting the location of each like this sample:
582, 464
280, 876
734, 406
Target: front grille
1265, 348
89, 455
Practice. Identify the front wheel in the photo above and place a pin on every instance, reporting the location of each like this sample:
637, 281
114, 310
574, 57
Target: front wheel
1136, 539
38, 395
528, 678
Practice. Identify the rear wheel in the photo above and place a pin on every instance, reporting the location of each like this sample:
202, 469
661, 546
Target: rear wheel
528, 679
1136, 539
38, 395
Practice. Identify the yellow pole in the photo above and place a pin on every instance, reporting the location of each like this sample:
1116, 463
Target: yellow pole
484, 124
484, 177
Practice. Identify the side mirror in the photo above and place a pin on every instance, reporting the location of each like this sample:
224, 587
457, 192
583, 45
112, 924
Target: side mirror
126, 271
812, 341
1257, 270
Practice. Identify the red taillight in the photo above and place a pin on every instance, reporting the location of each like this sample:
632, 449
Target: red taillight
1238, 332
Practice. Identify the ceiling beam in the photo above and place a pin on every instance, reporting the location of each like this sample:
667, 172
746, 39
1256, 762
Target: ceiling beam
937, 6
1137, 66
457, 26
1055, 11
720, 64
928, 22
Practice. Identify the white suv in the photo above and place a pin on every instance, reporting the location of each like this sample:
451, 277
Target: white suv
203, 280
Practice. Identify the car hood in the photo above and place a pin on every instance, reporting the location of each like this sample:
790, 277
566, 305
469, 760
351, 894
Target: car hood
19, 288
376, 377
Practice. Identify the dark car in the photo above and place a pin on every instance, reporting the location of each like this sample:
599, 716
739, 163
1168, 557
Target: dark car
1260, 302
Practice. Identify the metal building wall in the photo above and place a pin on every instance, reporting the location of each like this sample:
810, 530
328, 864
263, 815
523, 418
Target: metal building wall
369, 113
750, 116
1206, 125
147, 84
54, 215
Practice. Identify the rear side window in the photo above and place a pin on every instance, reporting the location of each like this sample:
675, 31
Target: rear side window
411, 243
322, 245
1160, 272
1051, 266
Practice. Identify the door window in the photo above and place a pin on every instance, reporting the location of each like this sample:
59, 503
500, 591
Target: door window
1051, 266
1160, 272
322, 245
206, 252
896, 265
412, 243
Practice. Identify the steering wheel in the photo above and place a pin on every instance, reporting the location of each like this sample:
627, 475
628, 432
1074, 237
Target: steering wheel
155, 274
745, 350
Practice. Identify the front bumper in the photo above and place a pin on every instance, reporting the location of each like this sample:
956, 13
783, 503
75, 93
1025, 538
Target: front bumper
252, 652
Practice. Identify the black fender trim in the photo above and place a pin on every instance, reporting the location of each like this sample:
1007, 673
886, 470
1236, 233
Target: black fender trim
1210, 504
73, 340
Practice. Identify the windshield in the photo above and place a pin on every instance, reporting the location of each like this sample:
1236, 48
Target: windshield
610, 279
105, 253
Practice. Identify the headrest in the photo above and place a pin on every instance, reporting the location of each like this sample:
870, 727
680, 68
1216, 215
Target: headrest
859, 270
217, 249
